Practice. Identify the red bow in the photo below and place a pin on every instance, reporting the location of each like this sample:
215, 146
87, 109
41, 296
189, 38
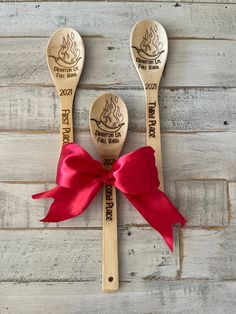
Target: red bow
80, 177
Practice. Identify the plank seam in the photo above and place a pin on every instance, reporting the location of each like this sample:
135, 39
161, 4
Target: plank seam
230, 209
121, 87
179, 3
45, 132
125, 227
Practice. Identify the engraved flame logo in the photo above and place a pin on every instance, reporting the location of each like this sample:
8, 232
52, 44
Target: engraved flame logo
111, 118
68, 54
150, 44
150, 47
111, 115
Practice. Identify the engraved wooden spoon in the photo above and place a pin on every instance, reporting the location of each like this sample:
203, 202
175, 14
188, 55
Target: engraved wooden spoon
108, 119
149, 47
65, 58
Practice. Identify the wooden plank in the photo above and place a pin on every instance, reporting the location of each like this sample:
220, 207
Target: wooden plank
203, 203
186, 155
209, 253
36, 108
41, 255
232, 203
190, 63
182, 296
17, 209
190, 20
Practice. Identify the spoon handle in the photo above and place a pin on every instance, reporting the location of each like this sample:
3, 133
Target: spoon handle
66, 118
153, 127
110, 272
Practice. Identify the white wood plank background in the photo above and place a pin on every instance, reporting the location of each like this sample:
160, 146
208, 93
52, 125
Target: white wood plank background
99, 19
189, 61
182, 296
56, 268
30, 108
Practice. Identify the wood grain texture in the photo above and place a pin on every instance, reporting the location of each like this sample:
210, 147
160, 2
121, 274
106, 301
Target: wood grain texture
182, 296
232, 203
37, 108
17, 209
190, 63
203, 203
41, 255
186, 155
209, 253
188, 20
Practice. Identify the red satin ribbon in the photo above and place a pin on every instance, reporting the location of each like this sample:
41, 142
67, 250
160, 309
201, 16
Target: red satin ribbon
80, 177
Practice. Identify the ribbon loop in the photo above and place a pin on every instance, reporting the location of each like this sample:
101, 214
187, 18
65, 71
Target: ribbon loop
80, 177
136, 172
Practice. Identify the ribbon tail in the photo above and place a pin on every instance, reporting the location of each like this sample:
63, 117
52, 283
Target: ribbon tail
48, 194
69, 202
159, 212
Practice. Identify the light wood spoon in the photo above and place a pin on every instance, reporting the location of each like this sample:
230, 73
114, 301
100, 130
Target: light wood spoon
108, 124
149, 47
65, 58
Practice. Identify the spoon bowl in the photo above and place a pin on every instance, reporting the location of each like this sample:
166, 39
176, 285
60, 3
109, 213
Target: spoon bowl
149, 48
65, 59
108, 125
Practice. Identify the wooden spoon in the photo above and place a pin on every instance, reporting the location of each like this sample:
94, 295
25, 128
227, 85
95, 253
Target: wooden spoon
149, 47
65, 58
108, 124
